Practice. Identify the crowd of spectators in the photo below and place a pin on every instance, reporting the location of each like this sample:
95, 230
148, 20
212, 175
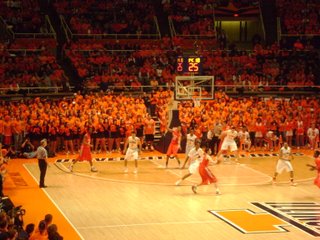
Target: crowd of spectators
197, 17
29, 68
263, 68
118, 44
288, 119
191, 18
12, 226
23, 16
64, 121
48, 44
108, 17
244, 3
299, 17
132, 68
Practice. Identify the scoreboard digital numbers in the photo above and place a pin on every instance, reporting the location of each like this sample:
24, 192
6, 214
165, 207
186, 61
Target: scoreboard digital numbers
189, 64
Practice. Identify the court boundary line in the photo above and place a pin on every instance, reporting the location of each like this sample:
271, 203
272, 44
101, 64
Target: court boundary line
258, 172
286, 182
54, 203
113, 180
154, 161
151, 183
150, 224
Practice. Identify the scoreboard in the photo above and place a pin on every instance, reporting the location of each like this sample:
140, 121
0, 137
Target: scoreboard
189, 64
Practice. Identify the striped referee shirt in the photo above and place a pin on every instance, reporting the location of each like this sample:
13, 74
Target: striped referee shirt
42, 153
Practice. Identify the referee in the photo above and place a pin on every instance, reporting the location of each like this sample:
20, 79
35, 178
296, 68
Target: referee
42, 156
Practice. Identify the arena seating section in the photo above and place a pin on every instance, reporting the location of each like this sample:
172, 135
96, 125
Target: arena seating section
299, 17
111, 57
108, 17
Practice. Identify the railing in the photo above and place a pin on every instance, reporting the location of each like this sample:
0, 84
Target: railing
66, 28
6, 28
299, 35
267, 89
262, 22
50, 34
29, 90
196, 36
250, 51
171, 27
157, 25
116, 36
106, 50
34, 35
24, 51
278, 29
230, 88
71, 35
51, 30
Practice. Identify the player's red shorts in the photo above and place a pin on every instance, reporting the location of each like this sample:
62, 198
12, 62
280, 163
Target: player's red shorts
173, 149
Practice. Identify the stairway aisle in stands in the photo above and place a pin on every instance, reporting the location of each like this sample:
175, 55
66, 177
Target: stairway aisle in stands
162, 19
269, 14
48, 9
70, 71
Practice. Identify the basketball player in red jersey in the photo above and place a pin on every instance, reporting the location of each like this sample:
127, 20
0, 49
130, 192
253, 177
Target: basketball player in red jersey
85, 152
174, 145
206, 175
316, 167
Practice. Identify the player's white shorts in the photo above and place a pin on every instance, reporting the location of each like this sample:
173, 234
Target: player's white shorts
226, 145
193, 168
188, 148
132, 154
284, 165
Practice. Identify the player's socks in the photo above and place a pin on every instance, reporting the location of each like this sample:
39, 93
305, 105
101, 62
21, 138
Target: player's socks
178, 182
194, 189
93, 169
292, 183
71, 167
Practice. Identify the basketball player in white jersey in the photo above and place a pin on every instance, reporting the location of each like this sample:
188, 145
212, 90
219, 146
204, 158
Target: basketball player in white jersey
132, 148
313, 136
229, 143
284, 163
245, 141
191, 138
195, 155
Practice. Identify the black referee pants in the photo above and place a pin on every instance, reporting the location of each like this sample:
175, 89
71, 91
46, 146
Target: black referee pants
43, 169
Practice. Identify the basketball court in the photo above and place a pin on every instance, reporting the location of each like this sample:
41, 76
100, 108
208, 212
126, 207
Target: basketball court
113, 205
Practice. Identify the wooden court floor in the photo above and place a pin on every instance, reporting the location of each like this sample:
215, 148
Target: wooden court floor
110, 204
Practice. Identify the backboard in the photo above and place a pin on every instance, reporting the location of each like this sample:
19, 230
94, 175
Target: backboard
191, 87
